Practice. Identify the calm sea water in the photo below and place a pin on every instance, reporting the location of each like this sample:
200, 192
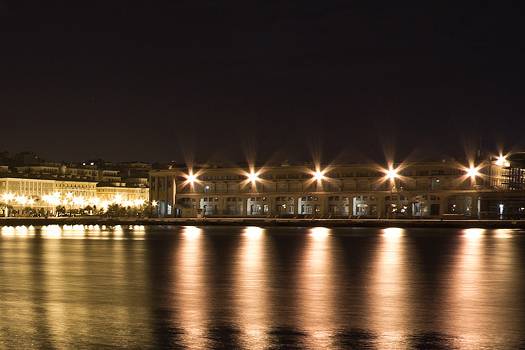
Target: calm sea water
81, 287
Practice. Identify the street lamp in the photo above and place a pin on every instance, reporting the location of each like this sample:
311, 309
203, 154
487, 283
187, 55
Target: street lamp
319, 175
253, 177
472, 172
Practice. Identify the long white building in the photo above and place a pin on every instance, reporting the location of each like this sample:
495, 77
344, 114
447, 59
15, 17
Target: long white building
411, 190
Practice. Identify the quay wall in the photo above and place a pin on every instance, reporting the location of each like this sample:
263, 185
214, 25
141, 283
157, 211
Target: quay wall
266, 222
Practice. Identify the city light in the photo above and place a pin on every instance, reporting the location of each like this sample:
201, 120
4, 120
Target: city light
392, 173
191, 178
70, 200
22, 200
472, 172
319, 175
8, 197
253, 177
502, 161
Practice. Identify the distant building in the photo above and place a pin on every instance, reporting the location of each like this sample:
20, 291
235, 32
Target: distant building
135, 173
47, 194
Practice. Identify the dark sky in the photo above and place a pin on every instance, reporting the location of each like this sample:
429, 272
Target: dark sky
215, 79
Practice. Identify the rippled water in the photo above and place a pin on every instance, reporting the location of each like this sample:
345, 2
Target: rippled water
236, 287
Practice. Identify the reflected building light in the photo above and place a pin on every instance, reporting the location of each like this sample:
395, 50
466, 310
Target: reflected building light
393, 232
7, 231
503, 233
118, 231
73, 231
315, 279
21, 231
319, 233
190, 290
139, 229
51, 231
191, 232
473, 233
253, 232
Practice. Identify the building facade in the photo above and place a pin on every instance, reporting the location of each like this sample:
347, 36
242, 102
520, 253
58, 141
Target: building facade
411, 190
48, 194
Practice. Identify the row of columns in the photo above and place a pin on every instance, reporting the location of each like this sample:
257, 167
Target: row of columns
466, 204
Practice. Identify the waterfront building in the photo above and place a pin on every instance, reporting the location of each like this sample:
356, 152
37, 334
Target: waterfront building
443, 189
47, 194
126, 196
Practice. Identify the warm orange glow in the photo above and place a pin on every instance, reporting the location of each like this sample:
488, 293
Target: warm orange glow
191, 178
189, 288
253, 177
191, 232
473, 172
319, 233
393, 232
502, 161
391, 174
253, 232
503, 233
473, 233
318, 175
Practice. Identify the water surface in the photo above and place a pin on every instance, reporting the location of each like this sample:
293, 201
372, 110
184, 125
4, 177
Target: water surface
249, 287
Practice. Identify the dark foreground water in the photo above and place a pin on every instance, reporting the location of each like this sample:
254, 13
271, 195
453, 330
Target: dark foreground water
233, 287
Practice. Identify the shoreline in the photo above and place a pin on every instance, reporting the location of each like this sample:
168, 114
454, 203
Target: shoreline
267, 222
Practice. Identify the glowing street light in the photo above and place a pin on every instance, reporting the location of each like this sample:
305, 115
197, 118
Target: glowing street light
191, 178
501, 160
253, 177
392, 174
319, 175
472, 172
22, 200
8, 197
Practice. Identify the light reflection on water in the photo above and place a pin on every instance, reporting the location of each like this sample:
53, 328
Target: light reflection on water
91, 286
251, 292
388, 308
117, 232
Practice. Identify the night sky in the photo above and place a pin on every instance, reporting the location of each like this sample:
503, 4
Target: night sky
213, 80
